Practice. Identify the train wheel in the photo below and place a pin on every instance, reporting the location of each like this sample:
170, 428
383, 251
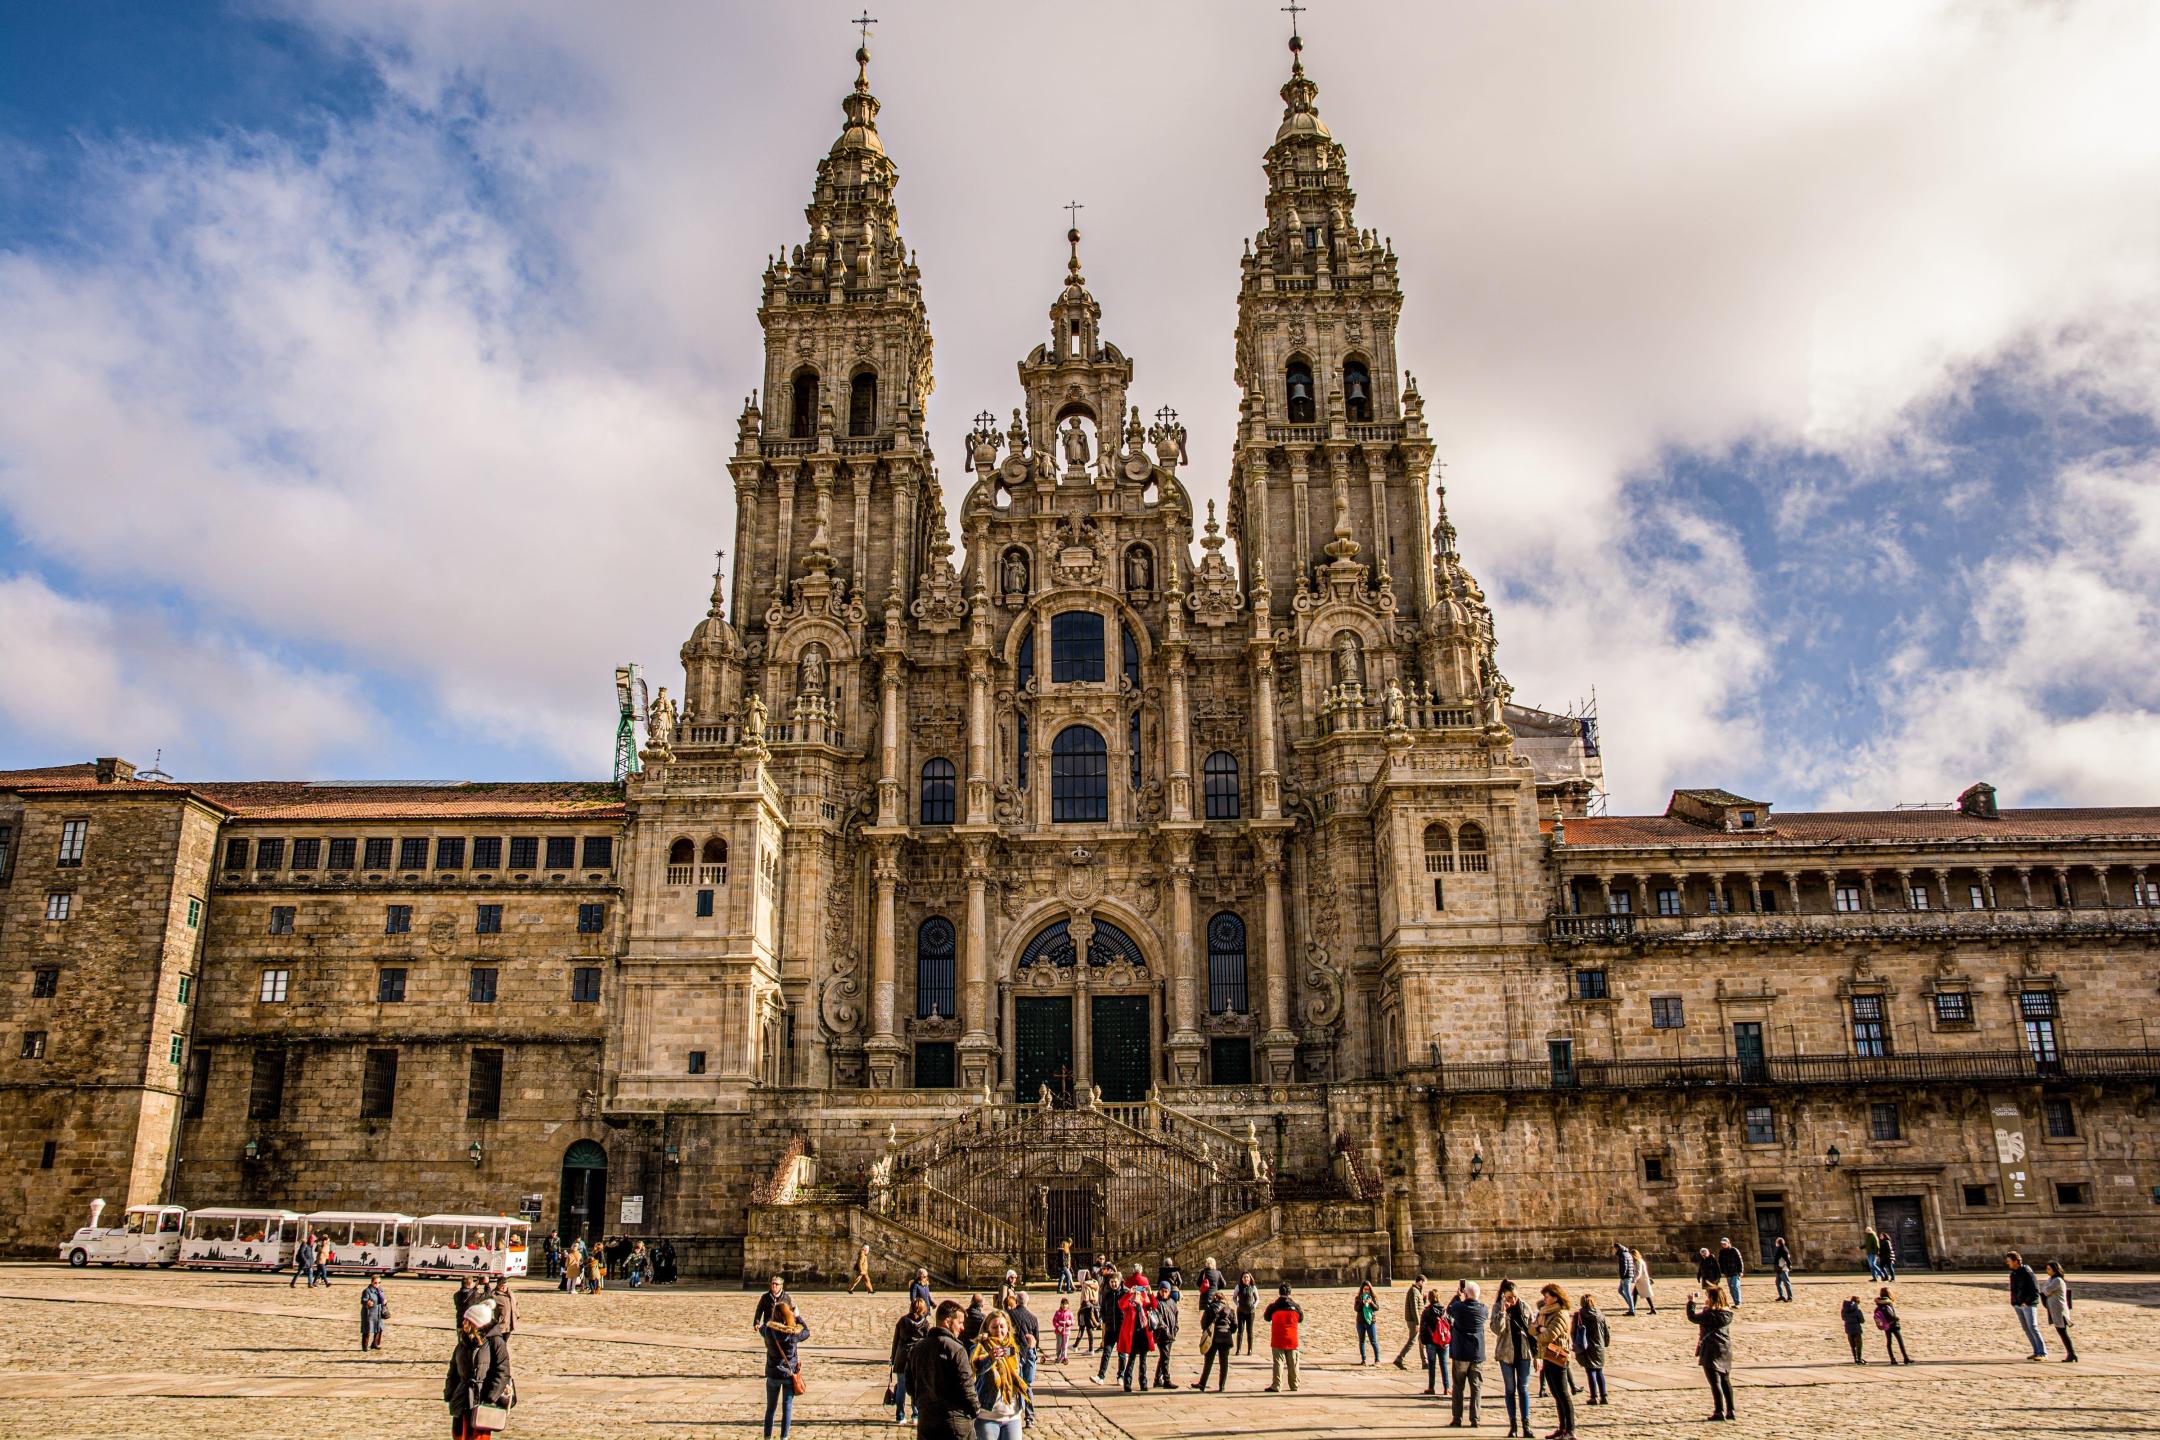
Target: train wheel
78, 1257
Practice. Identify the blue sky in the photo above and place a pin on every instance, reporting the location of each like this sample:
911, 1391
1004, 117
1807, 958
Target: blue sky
367, 370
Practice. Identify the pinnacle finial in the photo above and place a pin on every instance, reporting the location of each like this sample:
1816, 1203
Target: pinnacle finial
863, 22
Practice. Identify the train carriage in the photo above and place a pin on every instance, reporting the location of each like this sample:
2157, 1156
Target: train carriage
240, 1239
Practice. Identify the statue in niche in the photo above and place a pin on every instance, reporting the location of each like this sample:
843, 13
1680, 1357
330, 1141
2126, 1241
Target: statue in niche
1139, 569
1076, 444
811, 672
1016, 573
1349, 660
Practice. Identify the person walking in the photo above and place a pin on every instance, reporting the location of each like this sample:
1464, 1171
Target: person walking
505, 1307
919, 1289
1645, 1291
324, 1255
1000, 1388
551, 1255
1211, 1282
774, 1297
1434, 1334
2055, 1291
1466, 1348
1707, 1273
1781, 1262
1220, 1321
1516, 1350
1886, 1255
941, 1377
1248, 1302
1136, 1330
374, 1309
1365, 1309
1871, 1250
908, 1331
2025, 1300
1555, 1348
1065, 1270
862, 1271
1027, 1334
1085, 1312
1855, 1318
1714, 1348
784, 1334
1592, 1337
303, 1263
1110, 1309
1893, 1334
1413, 1311
1283, 1315
1166, 1333
1730, 1268
1061, 1325
468, 1294
1626, 1258
478, 1388
977, 1314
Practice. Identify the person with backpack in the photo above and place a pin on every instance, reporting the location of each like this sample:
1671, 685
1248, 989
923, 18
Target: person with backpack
908, 1331
1855, 1318
1283, 1315
1893, 1334
1592, 1338
1434, 1335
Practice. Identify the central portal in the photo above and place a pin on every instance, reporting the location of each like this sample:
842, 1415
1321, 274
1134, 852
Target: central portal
1122, 1054
1043, 1026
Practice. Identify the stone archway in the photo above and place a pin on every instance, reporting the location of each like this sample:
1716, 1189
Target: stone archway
584, 1193
1085, 1004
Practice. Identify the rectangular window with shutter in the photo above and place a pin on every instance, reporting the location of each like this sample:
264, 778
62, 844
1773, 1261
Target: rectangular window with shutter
378, 1085
483, 1088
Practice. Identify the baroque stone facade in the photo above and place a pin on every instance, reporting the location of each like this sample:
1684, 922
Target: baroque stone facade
1250, 857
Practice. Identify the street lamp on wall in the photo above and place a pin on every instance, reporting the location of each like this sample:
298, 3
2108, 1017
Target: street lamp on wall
672, 1155
1832, 1156
1477, 1163
251, 1151
474, 1154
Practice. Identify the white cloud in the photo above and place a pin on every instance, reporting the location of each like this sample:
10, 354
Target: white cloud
88, 678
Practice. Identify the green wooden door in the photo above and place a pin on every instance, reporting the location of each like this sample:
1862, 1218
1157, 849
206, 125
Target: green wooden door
1122, 1050
1043, 1054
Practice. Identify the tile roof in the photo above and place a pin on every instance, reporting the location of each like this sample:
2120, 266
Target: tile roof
1716, 797
305, 800
1860, 826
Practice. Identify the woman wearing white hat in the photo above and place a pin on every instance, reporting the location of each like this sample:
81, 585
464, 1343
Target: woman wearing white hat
478, 1388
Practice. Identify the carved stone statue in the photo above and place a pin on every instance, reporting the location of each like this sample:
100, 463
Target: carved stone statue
1016, 573
660, 721
1349, 660
812, 671
1392, 697
754, 720
1076, 444
1139, 569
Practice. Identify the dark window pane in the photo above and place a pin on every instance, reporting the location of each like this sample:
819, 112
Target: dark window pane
306, 854
1226, 964
397, 920
482, 988
1076, 647
450, 853
378, 1085
487, 920
1219, 786
236, 854
266, 1085
390, 985
585, 984
935, 942
940, 781
487, 852
524, 852
599, 851
483, 1086
561, 852
1079, 775
377, 855
591, 919
269, 854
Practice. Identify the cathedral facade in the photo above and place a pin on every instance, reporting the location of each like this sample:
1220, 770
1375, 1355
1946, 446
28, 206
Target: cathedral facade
1125, 873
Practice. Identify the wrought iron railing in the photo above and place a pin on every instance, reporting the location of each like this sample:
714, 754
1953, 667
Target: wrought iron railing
1689, 929
1680, 1073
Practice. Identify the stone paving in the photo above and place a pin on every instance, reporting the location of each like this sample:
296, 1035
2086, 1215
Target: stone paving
177, 1354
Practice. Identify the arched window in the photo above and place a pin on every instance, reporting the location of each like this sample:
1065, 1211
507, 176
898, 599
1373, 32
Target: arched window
938, 778
934, 943
1024, 671
1357, 390
1219, 787
802, 411
1470, 846
715, 852
1129, 649
1225, 964
681, 853
1076, 647
1439, 861
1079, 775
1298, 387
862, 403
1054, 946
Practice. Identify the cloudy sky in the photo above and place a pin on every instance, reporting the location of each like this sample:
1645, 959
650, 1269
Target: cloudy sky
368, 367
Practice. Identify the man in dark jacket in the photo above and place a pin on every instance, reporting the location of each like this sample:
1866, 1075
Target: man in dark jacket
1166, 1329
1466, 1347
2024, 1298
1027, 1334
468, 1291
775, 1294
1730, 1269
942, 1380
1706, 1268
977, 1315
1110, 1310
907, 1333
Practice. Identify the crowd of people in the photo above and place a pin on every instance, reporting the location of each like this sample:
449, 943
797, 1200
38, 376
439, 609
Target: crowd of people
582, 1269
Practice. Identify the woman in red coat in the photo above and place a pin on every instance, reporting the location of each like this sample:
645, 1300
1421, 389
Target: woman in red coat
1136, 1336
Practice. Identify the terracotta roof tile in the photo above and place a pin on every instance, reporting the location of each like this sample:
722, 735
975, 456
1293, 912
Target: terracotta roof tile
304, 800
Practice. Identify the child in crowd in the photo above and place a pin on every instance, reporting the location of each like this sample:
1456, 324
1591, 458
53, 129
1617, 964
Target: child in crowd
1893, 1333
1855, 1320
1061, 1324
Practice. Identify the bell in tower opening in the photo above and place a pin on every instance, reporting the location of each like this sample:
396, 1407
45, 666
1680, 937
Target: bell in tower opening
1357, 391
1298, 383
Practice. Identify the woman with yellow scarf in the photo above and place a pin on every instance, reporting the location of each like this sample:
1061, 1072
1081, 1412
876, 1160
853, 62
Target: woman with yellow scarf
998, 1386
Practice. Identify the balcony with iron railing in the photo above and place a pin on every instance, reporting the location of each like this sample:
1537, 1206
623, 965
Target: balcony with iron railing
1501, 1077
1712, 929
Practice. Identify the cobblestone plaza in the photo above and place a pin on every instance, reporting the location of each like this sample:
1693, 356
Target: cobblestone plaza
168, 1355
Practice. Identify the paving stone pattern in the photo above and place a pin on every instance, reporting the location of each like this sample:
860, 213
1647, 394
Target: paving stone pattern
174, 1354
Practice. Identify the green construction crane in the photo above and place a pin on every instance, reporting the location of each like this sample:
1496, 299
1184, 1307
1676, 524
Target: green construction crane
631, 704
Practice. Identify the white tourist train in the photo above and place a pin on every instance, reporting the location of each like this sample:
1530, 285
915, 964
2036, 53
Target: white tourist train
471, 1244
148, 1235
240, 1239
364, 1242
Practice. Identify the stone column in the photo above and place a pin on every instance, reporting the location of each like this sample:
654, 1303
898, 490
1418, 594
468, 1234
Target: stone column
1604, 885
1270, 796
2065, 896
1830, 881
785, 478
1186, 1045
889, 741
1867, 891
1180, 756
2025, 883
1942, 883
2100, 873
884, 1048
978, 789
1904, 884
1083, 1002
1279, 1044
976, 1046
1792, 889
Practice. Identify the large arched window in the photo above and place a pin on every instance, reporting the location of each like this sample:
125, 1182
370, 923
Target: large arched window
1225, 964
1439, 861
1024, 668
803, 405
681, 852
1076, 647
938, 785
1219, 787
1054, 946
1357, 390
1298, 389
1079, 775
712, 862
862, 403
1470, 846
934, 944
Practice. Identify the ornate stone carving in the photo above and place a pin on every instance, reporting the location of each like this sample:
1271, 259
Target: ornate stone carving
1215, 600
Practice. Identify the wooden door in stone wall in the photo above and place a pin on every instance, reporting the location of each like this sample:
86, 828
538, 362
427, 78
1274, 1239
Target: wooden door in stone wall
1043, 1048
1903, 1218
1122, 1053
584, 1192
